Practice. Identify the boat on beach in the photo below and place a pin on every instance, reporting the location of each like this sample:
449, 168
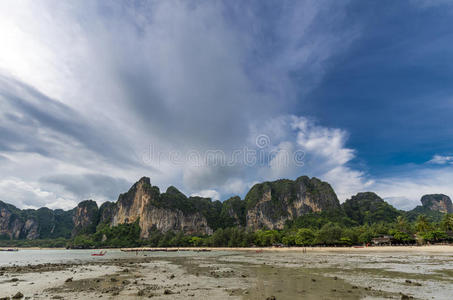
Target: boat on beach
10, 250
102, 253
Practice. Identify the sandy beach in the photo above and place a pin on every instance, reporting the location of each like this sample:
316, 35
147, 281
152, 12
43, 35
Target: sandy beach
283, 273
431, 248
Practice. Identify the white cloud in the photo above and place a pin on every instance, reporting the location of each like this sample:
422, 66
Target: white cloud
441, 160
322, 152
32, 195
213, 194
236, 186
404, 190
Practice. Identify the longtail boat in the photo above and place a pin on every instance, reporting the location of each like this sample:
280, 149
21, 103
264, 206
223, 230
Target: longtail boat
102, 253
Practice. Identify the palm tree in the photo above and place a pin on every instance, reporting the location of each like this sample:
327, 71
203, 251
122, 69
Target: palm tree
401, 224
422, 224
447, 222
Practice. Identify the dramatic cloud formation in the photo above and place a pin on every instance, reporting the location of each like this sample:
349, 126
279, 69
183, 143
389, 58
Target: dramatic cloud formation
209, 96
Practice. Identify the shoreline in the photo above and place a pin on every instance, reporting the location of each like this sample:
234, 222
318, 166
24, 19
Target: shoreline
238, 273
424, 248
431, 248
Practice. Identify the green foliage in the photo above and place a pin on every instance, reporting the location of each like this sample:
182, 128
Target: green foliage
423, 224
319, 219
123, 235
369, 208
266, 238
305, 237
51, 223
359, 220
285, 190
329, 234
237, 207
447, 222
432, 215
40, 243
402, 237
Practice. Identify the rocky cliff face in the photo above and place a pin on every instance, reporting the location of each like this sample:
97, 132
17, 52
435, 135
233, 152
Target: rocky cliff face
13, 227
271, 204
85, 217
155, 211
233, 212
437, 202
107, 212
22, 224
266, 205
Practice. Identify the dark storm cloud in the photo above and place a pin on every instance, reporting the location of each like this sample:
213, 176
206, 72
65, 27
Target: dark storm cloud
90, 185
43, 125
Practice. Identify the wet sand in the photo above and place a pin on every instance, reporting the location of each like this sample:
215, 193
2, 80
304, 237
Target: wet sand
431, 248
283, 274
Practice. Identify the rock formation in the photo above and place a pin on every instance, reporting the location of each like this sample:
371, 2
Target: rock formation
271, 204
267, 205
155, 211
85, 217
437, 202
107, 212
14, 225
32, 224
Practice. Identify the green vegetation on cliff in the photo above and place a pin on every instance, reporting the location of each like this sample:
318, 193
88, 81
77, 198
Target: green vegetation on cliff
42, 223
123, 235
307, 212
328, 234
369, 208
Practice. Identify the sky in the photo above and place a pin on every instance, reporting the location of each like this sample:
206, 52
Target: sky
215, 96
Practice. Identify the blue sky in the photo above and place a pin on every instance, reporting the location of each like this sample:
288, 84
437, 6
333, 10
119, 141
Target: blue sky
392, 86
94, 95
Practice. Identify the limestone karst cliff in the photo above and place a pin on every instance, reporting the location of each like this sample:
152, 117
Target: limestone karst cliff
156, 211
85, 217
271, 204
268, 205
33, 224
437, 202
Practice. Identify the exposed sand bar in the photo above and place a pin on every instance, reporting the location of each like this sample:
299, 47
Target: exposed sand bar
286, 273
432, 248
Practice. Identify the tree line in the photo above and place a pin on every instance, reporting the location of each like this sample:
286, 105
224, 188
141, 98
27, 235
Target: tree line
308, 230
316, 232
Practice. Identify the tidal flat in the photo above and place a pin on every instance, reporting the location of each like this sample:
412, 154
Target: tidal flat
386, 273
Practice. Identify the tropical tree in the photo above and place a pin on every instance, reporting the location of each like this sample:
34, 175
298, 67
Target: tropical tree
329, 234
422, 224
447, 222
305, 237
402, 225
196, 241
433, 236
267, 237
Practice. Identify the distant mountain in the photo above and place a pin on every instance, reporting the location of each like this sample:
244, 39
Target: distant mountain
32, 224
433, 206
433, 215
368, 208
268, 205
